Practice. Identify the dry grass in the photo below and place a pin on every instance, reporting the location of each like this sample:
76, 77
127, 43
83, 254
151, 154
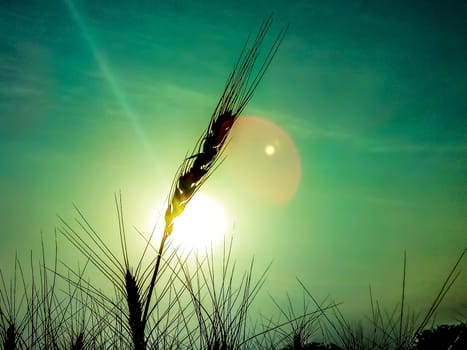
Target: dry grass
35, 316
398, 330
299, 327
221, 299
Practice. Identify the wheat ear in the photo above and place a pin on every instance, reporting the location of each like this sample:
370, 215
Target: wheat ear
79, 342
9, 342
135, 312
196, 168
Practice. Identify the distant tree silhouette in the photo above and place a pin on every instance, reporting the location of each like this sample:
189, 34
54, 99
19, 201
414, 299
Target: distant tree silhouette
311, 346
448, 337
321, 346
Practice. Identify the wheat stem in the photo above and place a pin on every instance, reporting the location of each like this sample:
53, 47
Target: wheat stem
196, 168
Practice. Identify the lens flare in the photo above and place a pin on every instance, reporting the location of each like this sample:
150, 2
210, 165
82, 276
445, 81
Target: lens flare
263, 160
269, 150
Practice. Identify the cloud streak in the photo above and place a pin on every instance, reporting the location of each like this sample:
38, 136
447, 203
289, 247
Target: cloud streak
312, 131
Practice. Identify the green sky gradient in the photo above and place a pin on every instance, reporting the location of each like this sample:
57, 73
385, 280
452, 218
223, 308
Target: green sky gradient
99, 96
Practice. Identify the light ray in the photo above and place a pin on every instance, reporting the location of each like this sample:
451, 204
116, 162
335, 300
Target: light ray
109, 76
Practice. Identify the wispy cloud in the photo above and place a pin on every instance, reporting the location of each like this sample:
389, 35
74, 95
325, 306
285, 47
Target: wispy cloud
419, 148
312, 131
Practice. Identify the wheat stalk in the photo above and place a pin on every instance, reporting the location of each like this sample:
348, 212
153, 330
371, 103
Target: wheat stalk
197, 167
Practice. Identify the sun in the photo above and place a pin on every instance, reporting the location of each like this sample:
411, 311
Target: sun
202, 224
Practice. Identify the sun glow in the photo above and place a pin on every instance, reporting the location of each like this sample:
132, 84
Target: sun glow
202, 224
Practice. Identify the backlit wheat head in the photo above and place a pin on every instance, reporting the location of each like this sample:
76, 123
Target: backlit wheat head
238, 91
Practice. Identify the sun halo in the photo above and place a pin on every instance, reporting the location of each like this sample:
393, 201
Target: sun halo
202, 224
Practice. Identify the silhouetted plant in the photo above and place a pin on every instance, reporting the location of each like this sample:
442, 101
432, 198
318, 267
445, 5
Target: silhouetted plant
36, 315
221, 300
389, 331
299, 328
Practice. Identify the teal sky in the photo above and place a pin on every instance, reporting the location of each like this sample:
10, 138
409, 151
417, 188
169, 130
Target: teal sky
97, 97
